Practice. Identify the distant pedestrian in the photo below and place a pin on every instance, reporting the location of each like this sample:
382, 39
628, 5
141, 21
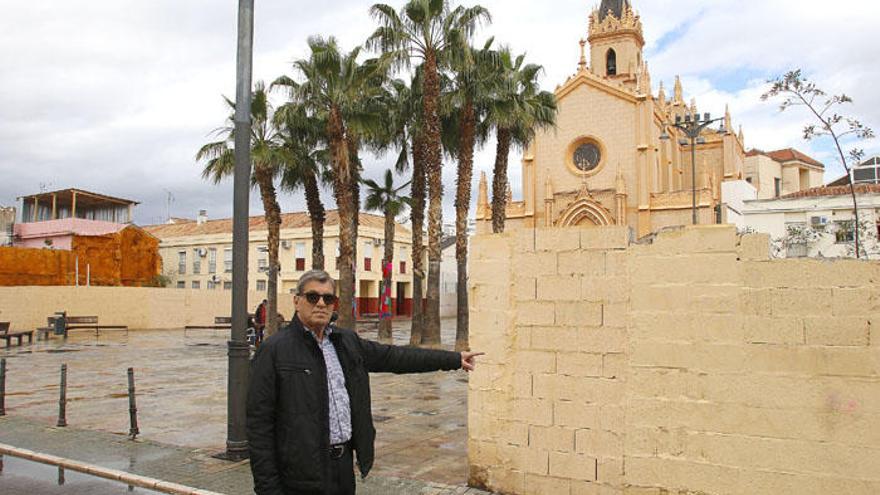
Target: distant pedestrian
260, 320
308, 409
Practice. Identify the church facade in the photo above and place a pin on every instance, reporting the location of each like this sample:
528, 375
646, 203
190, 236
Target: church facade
607, 161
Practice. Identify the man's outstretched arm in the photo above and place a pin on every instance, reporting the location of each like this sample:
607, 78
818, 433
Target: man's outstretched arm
383, 358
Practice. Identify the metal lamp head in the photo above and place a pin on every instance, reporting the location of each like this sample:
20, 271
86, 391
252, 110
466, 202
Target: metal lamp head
701, 140
664, 136
683, 142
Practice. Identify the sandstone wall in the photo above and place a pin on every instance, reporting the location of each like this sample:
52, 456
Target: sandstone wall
690, 365
138, 308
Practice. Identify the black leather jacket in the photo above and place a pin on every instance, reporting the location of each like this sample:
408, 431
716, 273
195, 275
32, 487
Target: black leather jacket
287, 410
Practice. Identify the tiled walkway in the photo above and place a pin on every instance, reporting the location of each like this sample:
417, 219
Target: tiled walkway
181, 385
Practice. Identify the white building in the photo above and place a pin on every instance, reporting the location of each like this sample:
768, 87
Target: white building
818, 222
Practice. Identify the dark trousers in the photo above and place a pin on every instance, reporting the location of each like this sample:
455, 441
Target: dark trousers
340, 476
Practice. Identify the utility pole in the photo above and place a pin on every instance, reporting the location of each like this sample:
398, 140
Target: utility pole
239, 350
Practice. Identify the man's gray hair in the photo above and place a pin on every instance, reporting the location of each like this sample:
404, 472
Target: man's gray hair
319, 276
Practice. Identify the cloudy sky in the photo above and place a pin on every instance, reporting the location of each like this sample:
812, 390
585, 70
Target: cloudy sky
116, 96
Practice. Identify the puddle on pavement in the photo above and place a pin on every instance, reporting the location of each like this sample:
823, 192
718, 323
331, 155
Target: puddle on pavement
19, 476
59, 351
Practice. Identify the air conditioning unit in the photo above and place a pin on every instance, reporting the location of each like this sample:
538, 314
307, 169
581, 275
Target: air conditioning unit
263, 249
377, 242
202, 252
818, 222
285, 244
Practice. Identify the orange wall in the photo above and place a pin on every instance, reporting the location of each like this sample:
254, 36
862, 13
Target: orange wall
26, 266
129, 257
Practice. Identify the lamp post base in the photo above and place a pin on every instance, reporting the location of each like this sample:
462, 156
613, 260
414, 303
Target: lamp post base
235, 452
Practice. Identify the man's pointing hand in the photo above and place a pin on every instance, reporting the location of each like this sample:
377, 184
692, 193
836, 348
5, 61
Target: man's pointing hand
468, 361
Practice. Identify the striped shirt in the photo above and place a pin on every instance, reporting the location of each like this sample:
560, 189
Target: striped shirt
340, 407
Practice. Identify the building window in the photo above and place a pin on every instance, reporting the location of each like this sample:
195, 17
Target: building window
181, 262
844, 232
181, 284
197, 261
777, 186
402, 257
261, 285
263, 265
227, 285
196, 284
368, 256
211, 285
611, 62
212, 260
299, 250
227, 260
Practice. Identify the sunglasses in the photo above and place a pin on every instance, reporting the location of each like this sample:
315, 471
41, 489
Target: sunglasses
313, 297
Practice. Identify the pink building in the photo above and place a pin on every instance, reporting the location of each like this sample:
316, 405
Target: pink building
51, 219
58, 234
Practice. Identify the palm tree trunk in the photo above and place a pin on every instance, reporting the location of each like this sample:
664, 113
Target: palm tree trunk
462, 207
417, 215
433, 165
385, 335
317, 216
499, 181
342, 192
355, 185
273, 224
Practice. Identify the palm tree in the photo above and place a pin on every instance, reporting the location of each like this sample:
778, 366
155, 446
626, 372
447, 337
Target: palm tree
428, 30
300, 135
267, 161
471, 90
387, 199
518, 110
403, 109
334, 88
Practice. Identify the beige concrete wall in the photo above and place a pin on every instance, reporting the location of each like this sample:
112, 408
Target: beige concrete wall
138, 308
691, 365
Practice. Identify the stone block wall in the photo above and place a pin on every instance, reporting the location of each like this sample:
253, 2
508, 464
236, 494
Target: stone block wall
692, 364
26, 308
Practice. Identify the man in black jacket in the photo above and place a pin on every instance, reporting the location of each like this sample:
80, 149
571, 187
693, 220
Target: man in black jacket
309, 399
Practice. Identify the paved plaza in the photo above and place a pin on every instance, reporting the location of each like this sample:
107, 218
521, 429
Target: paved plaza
181, 394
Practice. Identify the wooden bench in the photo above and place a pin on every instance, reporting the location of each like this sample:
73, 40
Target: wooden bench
220, 323
371, 319
89, 322
17, 335
43, 333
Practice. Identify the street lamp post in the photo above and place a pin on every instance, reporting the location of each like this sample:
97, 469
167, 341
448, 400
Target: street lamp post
692, 126
238, 348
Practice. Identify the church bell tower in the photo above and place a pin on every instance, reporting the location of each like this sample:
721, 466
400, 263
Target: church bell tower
616, 41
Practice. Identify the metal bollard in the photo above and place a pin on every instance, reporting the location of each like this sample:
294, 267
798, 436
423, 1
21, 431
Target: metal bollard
2, 386
60, 476
132, 406
62, 402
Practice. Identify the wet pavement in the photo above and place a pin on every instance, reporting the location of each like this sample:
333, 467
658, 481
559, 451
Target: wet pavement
181, 394
20, 477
